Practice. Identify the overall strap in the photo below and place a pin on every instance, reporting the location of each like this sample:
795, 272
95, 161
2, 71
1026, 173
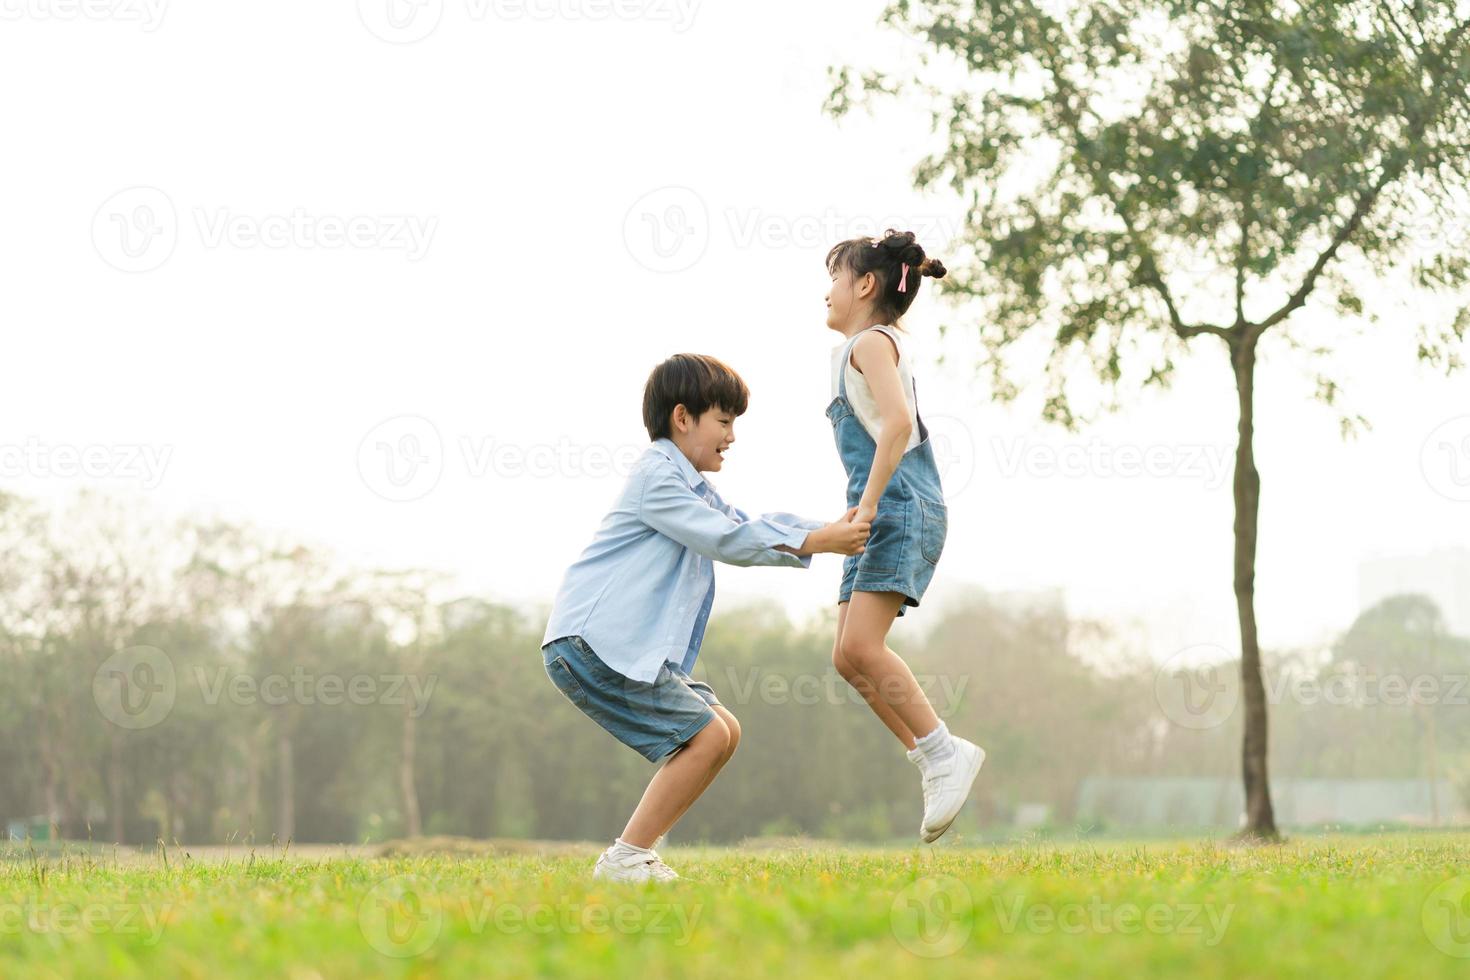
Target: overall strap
913, 382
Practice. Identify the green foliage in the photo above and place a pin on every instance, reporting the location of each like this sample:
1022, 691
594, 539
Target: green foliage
1138, 174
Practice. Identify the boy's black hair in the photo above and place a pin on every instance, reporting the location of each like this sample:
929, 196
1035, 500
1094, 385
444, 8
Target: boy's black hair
696, 381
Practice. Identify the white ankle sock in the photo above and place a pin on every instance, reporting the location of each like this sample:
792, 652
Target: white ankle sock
623, 848
937, 746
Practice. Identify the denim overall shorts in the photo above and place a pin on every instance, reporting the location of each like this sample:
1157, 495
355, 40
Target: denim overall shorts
908, 533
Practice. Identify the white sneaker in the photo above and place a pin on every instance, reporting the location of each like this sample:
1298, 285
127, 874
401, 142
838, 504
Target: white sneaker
632, 867
947, 786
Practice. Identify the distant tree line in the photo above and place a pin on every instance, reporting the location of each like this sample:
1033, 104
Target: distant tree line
205, 682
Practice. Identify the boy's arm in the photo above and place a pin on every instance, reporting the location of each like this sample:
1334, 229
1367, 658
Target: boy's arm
669, 506
808, 547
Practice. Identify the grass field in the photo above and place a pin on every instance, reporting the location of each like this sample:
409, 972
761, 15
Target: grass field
1394, 905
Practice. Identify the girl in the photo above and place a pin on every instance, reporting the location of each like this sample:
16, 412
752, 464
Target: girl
893, 482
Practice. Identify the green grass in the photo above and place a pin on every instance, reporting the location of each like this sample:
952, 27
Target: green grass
1392, 905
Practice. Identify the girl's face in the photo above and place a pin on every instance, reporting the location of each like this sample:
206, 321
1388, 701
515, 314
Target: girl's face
848, 299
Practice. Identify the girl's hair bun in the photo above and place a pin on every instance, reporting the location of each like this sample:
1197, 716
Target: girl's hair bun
932, 267
903, 247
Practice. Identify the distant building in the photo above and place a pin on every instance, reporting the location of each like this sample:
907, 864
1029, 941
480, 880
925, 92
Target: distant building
1442, 575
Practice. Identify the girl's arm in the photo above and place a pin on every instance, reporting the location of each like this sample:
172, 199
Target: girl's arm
876, 357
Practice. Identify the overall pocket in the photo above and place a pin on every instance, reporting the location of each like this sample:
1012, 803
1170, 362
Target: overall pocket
933, 528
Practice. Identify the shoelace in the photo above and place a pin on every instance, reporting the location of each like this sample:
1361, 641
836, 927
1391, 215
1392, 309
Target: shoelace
660, 870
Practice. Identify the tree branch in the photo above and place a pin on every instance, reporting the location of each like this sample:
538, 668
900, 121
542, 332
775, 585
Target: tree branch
1148, 264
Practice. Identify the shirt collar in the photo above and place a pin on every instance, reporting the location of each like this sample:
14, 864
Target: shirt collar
681, 462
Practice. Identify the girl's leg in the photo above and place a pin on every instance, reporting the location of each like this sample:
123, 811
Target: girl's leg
864, 686
678, 783
863, 645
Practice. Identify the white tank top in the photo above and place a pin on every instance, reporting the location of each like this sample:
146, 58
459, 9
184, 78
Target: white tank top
860, 396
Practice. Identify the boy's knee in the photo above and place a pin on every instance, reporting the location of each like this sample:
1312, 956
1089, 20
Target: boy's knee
712, 740
732, 727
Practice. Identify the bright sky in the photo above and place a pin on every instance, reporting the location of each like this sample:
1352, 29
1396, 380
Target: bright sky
261, 259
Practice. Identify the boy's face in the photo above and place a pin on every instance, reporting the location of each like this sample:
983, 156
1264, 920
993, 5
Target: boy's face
703, 439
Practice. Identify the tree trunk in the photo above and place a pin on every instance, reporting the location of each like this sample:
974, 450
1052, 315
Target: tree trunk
115, 786
253, 749
1432, 754
1260, 820
412, 823
285, 785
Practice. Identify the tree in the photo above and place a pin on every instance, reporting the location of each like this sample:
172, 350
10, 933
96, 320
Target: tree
1139, 175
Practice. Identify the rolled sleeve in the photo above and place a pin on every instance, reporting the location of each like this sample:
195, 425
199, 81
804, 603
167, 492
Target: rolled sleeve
718, 532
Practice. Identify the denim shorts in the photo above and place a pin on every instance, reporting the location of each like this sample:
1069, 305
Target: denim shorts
654, 718
901, 553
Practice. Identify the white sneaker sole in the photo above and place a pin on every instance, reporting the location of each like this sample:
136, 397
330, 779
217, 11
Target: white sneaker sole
930, 836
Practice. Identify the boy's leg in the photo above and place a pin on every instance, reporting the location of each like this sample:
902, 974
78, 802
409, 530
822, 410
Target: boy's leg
733, 727
863, 645
864, 684
678, 783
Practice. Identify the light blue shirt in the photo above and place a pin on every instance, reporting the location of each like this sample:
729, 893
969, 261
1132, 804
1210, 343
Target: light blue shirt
640, 594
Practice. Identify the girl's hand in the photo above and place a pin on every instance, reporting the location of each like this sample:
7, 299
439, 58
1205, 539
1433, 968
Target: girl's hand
863, 513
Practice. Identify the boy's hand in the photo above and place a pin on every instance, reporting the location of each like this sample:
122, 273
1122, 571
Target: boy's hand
845, 536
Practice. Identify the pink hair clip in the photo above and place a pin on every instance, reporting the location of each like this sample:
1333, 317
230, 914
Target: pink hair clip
903, 280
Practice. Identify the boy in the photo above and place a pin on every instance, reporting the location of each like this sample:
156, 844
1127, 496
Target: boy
629, 617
